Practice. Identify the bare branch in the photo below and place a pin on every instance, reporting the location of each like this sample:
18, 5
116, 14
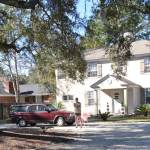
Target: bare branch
20, 3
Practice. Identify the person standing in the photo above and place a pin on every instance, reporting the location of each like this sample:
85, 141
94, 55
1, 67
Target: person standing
77, 110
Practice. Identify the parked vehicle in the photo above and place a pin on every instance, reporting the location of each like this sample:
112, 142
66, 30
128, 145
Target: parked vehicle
34, 113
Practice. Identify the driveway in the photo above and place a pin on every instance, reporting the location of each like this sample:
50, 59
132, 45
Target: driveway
110, 136
105, 135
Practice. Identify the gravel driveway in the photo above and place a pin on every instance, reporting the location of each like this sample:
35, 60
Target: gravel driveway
105, 135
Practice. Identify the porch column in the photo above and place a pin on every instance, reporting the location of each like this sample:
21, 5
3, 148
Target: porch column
125, 102
96, 102
136, 97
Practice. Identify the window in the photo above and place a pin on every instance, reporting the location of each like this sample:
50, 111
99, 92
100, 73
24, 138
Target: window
41, 108
147, 64
30, 99
61, 74
147, 95
92, 70
32, 108
67, 97
18, 109
90, 97
116, 96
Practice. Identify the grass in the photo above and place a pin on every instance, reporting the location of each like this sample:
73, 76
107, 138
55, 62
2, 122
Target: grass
129, 118
133, 118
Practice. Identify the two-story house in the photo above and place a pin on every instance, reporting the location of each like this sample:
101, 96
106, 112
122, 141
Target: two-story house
101, 90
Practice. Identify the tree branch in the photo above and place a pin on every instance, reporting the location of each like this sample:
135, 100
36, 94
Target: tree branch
20, 3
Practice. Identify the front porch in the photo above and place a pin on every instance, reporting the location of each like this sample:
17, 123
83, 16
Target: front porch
118, 96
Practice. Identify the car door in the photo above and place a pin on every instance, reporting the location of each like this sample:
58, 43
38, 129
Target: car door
32, 113
43, 113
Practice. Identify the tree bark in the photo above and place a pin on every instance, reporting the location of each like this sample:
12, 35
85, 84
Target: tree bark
17, 80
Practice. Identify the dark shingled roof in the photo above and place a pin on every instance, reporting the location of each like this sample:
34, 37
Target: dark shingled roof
34, 89
29, 89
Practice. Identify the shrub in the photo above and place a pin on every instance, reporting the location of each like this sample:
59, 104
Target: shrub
104, 116
144, 109
59, 105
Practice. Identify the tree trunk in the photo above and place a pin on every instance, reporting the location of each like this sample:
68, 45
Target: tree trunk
17, 94
15, 80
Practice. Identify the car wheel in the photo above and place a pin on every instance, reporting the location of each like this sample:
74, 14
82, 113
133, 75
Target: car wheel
60, 121
22, 123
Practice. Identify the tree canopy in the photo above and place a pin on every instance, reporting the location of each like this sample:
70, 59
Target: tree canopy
95, 35
123, 22
114, 25
42, 28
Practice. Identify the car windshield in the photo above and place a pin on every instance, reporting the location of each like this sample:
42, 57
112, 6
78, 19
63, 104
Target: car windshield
51, 107
18, 109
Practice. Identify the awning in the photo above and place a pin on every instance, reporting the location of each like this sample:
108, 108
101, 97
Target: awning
112, 82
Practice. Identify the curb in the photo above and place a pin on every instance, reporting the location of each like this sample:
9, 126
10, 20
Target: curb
52, 138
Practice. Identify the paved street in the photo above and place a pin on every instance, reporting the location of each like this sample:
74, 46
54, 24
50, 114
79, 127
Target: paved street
105, 135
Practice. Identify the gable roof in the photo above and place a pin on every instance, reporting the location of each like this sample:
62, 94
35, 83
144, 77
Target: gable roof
122, 82
138, 48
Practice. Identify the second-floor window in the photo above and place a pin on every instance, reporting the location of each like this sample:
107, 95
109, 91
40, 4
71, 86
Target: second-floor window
147, 64
94, 69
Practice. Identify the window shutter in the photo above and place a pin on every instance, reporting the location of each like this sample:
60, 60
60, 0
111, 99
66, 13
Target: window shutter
142, 66
86, 98
99, 70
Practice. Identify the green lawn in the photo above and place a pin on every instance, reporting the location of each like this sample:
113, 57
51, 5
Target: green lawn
129, 118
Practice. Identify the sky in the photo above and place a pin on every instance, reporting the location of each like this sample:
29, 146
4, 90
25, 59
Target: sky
84, 8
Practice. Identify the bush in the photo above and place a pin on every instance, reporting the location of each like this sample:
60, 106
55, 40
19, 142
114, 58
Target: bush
59, 105
144, 109
104, 116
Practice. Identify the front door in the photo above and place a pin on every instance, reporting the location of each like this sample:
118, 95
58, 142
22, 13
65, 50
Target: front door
117, 101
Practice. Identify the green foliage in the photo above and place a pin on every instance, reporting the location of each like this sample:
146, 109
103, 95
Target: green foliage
104, 116
145, 109
121, 17
47, 33
59, 105
95, 36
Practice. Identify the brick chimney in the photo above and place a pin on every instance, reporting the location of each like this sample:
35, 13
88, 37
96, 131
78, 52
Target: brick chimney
8, 87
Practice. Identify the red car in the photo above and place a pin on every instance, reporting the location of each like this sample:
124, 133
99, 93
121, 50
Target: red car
34, 113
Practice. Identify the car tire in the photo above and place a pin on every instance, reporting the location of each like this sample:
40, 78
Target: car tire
60, 121
22, 123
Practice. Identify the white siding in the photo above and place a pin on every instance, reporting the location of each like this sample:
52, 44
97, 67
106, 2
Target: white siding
79, 90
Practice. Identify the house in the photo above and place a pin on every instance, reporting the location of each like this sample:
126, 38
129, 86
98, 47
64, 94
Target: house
101, 90
29, 93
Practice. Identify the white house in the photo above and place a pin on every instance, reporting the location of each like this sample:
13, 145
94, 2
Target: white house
101, 90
